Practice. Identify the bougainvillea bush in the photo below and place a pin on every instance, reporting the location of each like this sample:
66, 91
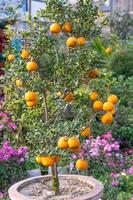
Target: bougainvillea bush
110, 164
7, 126
12, 164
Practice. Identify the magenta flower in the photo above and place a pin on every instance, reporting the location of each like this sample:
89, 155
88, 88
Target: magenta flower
115, 183
114, 175
12, 125
7, 152
107, 135
130, 171
1, 126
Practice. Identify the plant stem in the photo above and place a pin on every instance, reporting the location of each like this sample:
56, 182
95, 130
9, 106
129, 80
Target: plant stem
55, 180
91, 120
46, 107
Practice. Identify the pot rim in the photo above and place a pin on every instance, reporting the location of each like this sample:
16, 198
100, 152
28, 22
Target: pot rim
97, 191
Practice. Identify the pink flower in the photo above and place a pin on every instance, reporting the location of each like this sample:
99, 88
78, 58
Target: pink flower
114, 175
107, 136
1, 195
1, 126
115, 183
12, 125
74, 156
130, 170
108, 148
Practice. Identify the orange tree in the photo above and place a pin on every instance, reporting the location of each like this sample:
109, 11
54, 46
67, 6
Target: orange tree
42, 82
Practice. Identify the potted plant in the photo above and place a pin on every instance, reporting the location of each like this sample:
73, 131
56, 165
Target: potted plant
45, 82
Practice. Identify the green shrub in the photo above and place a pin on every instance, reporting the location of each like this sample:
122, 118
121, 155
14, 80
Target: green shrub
121, 62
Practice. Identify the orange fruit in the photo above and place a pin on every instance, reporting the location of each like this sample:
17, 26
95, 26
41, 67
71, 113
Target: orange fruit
11, 57
73, 142
67, 27
113, 99
108, 51
30, 96
107, 106
59, 94
113, 111
38, 159
98, 105
55, 28
86, 132
81, 41
82, 164
107, 118
69, 97
25, 54
31, 103
57, 158
94, 96
19, 83
63, 143
47, 161
71, 42
32, 66
76, 150
93, 73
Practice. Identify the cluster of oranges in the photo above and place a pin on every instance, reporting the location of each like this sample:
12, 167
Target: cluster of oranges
24, 54
108, 106
67, 27
31, 99
31, 66
47, 161
74, 145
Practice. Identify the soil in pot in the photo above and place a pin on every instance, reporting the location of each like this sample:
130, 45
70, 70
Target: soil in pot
69, 189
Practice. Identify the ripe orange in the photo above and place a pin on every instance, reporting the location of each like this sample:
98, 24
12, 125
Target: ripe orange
73, 142
32, 66
59, 94
76, 150
30, 96
81, 41
19, 83
94, 96
93, 73
57, 158
71, 42
25, 54
31, 103
98, 105
113, 99
86, 132
11, 57
69, 97
67, 27
63, 143
82, 164
113, 111
55, 28
107, 118
107, 106
47, 161
38, 159
108, 51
